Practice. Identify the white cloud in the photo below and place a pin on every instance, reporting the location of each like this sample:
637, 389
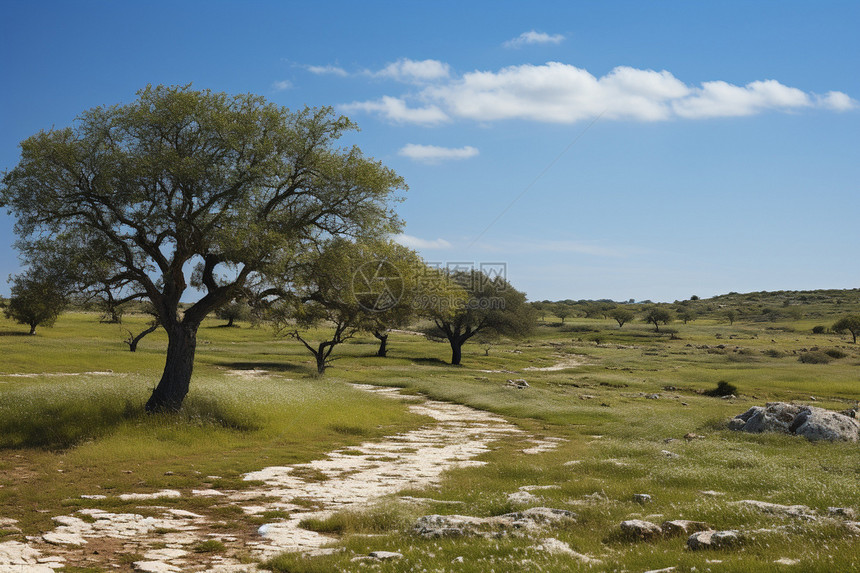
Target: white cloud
396, 110
327, 70
282, 85
721, 99
561, 93
435, 154
407, 70
533, 37
837, 101
417, 243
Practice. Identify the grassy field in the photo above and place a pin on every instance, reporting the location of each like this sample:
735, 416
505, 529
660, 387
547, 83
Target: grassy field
72, 422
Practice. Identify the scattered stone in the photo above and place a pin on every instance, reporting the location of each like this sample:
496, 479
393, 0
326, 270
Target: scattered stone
791, 510
94, 496
558, 547
63, 538
587, 397
842, 512
156, 495
519, 384
639, 529
682, 527
652, 396
711, 539
155, 567
457, 559
808, 421
385, 555
665, 570
787, 561
522, 497
691, 436
572, 463
670, 455
712, 493
642, 498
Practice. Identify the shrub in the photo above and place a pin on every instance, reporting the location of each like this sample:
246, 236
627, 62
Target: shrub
814, 357
773, 353
835, 353
818, 329
723, 389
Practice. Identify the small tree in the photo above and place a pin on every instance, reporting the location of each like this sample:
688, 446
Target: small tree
322, 297
562, 311
37, 300
236, 310
491, 305
731, 315
621, 315
851, 323
656, 316
687, 315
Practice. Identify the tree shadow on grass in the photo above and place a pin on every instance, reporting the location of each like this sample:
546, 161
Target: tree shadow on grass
270, 366
14, 333
430, 362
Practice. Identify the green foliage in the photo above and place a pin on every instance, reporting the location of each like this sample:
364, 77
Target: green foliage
835, 353
850, 323
36, 300
818, 329
131, 195
621, 315
657, 315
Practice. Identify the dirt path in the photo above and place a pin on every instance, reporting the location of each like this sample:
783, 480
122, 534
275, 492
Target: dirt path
353, 478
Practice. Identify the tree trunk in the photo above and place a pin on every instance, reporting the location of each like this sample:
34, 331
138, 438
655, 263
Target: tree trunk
171, 390
456, 352
383, 344
32, 328
230, 321
132, 343
320, 356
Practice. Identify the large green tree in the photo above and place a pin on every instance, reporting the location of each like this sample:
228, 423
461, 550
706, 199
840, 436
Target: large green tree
185, 188
477, 304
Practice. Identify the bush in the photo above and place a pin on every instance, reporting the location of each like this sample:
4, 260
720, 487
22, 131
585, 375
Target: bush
818, 329
835, 353
723, 389
814, 357
773, 353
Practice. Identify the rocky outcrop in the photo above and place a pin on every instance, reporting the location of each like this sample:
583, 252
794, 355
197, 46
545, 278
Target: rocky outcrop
807, 421
638, 529
434, 526
713, 539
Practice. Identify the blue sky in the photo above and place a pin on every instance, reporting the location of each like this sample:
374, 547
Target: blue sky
601, 150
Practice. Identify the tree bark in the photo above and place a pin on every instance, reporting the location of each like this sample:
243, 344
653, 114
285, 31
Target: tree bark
383, 344
320, 355
32, 329
171, 390
456, 351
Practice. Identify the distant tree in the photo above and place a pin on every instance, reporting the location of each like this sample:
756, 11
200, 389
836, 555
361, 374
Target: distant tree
851, 323
621, 315
656, 315
36, 300
562, 311
694, 297
731, 315
687, 315
233, 311
487, 305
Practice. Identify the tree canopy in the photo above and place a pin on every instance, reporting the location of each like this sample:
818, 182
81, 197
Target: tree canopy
851, 323
186, 188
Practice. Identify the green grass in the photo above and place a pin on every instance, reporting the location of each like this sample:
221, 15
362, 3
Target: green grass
62, 436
